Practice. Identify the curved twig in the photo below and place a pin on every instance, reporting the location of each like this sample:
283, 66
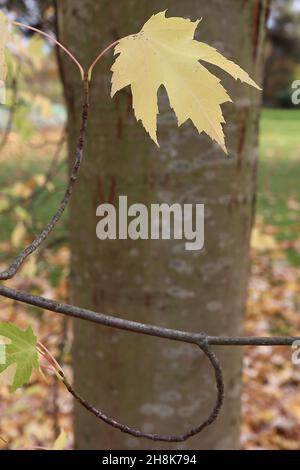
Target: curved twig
11, 271
163, 437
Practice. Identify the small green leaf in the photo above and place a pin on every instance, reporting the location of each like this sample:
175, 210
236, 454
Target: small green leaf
21, 351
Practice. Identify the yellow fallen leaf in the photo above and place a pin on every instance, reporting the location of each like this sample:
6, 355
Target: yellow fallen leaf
30, 268
43, 105
39, 179
19, 189
165, 53
61, 441
262, 241
18, 234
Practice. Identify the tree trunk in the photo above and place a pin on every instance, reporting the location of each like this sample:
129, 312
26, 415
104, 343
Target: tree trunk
153, 384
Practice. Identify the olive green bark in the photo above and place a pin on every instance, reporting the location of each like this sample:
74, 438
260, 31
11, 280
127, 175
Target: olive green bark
149, 383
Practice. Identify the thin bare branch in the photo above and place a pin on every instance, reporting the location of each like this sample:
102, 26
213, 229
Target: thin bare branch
147, 329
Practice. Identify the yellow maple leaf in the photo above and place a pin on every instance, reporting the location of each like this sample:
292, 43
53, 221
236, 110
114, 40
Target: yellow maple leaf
165, 53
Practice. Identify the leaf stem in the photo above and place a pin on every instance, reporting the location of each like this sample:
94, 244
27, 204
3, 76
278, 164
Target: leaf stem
91, 68
49, 357
48, 36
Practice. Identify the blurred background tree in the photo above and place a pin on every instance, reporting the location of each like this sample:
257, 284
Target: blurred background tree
282, 52
37, 13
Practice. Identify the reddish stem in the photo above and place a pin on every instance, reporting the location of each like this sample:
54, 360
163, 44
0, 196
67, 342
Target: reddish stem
48, 36
113, 44
49, 357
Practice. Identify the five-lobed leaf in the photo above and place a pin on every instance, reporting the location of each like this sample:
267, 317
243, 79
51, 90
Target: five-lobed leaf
165, 53
20, 351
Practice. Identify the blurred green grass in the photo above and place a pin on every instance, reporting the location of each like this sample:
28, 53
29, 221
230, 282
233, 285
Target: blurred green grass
278, 201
